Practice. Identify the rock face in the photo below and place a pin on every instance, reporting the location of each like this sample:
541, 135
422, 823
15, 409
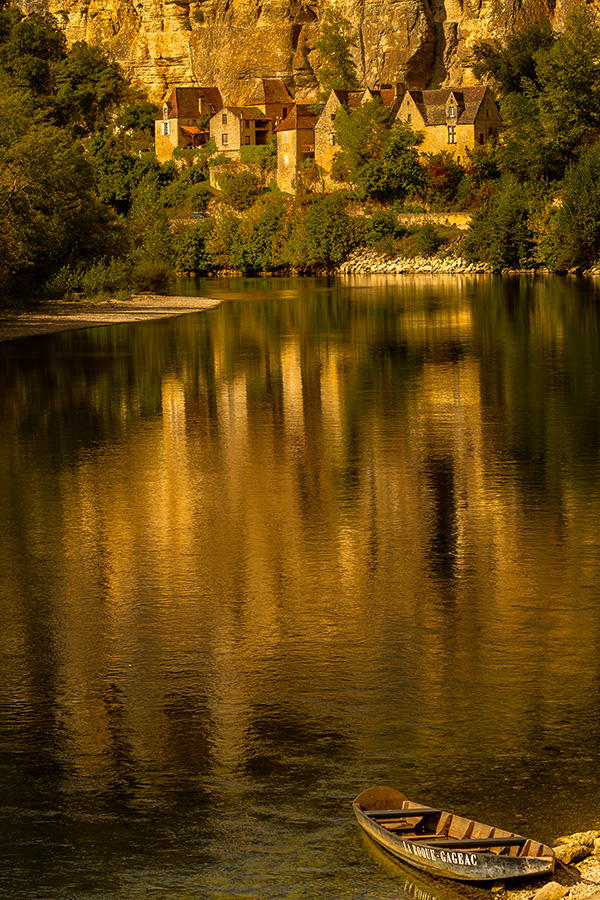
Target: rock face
231, 43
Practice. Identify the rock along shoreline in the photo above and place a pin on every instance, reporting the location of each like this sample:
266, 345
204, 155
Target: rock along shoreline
576, 875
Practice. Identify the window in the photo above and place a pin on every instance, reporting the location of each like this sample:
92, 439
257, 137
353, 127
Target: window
482, 138
451, 134
166, 128
224, 140
247, 140
247, 123
452, 112
333, 139
165, 111
409, 118
224, 118
284, 112
286, 137
286, 159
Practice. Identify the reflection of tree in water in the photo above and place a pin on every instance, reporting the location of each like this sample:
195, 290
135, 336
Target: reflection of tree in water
283, 740
443, 542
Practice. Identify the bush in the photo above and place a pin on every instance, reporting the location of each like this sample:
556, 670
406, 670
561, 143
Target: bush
501, 234
429, 240
191, 251
151, 277
330, 233
240, 189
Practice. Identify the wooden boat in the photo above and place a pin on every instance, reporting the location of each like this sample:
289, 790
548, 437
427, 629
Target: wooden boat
445, 844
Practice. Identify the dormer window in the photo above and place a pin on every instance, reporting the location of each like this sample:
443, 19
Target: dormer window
452, 112
165, 111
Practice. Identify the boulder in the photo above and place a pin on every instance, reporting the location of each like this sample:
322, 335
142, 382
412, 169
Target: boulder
551, 891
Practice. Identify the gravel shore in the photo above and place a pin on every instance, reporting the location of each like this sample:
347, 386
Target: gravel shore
67, 316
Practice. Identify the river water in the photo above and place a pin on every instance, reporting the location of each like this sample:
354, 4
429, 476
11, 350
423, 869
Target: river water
326, 535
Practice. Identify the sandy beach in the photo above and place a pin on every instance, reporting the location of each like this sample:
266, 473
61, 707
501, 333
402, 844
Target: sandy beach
66, 316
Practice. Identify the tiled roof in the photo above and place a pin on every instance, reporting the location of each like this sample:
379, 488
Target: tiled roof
432, 104
271, 90
183, 102
299, 117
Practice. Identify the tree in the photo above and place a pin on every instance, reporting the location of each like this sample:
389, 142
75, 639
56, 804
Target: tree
88, 88
552, 94
382, 161
578, 220
514, 65
337, 70
50, 215
31, 49
330, 233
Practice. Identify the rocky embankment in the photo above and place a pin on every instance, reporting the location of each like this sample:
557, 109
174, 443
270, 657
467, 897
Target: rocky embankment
365, 261
577, 873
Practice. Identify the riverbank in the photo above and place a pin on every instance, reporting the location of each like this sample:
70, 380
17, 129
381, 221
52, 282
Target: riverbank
576, 876
70, 315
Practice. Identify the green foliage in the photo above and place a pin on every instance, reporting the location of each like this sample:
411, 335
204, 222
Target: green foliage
30, 50
87, 87
152, 276
552, 102
501, 234
191, 252
265, 157
382, 161
514, 66
137, 118
330, 232
256, 248
337, 70
382, 224
429, 240
100, 280
222, 238
240, 189
578, 220
50, 213
149, 227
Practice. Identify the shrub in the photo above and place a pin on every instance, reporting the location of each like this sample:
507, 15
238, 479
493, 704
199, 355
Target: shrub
330, 233
501, 234
429, 240
191, 251
240, 189
151, 277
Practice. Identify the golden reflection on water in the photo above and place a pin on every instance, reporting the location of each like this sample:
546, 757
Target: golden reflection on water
372, 513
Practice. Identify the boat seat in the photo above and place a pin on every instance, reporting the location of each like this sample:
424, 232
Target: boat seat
471, 843
401, 813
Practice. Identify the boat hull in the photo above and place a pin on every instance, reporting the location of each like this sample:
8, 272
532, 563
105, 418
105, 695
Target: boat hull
460, 864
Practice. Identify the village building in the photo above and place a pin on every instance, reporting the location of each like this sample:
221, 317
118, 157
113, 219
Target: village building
235, 127
273, 99
295, 143
452, 119
185, 114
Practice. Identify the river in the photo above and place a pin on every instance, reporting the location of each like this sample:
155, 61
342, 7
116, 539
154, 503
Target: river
329, 534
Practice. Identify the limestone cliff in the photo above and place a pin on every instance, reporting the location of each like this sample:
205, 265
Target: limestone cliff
231, 43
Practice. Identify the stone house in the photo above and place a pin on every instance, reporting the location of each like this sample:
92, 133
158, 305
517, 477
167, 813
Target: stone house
295, 143
185, 113
452, 119
234, 127
273, 98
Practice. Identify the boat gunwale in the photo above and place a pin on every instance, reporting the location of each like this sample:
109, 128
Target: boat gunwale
461, 865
